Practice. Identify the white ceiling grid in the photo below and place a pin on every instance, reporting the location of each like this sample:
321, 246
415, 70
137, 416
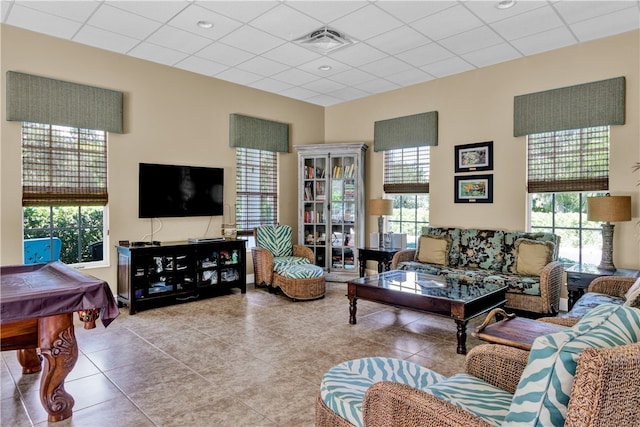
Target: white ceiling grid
397, 43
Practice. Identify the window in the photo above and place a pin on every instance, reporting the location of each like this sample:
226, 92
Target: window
406, 180
564, 168
256, 189
64, 188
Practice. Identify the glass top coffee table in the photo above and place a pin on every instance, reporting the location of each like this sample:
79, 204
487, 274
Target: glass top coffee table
458, 300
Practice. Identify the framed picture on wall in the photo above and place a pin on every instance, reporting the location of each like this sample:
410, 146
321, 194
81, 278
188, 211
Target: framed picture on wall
474, 157
474, 189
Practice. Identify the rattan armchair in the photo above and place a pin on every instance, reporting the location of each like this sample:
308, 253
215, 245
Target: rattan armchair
605, 392
271, 243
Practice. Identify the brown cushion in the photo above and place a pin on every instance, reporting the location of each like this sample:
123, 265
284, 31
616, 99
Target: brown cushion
532, 256
633, 295
434, 250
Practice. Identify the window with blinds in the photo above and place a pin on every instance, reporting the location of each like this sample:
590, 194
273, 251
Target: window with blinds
256, 189
406, 170
569, 160
63, 166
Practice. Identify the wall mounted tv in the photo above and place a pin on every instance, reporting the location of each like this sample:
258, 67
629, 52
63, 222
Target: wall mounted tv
178, 191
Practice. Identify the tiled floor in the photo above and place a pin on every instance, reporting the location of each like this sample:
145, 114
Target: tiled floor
235, 360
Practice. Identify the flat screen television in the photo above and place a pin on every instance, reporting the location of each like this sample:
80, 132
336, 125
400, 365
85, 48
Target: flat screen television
179, 191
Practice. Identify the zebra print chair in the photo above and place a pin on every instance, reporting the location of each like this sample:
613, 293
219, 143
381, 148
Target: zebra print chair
586, 375
275, 249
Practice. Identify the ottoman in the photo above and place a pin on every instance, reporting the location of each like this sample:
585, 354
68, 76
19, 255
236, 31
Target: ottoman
300, 282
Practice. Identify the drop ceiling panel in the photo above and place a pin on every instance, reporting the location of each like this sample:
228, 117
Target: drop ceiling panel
397, 43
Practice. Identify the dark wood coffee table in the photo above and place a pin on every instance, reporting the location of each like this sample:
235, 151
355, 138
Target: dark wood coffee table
513, 331
451, 298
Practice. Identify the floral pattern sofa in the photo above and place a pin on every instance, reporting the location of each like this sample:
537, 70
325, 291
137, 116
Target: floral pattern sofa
525, 262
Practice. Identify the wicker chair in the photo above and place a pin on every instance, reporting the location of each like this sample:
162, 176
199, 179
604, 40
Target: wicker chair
612, 286
605, 389
274, 246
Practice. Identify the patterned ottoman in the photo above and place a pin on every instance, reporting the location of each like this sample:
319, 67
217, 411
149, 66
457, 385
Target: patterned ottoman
300, 282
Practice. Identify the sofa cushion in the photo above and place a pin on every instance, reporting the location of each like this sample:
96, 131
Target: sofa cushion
285, 261
434, 250
483, 400
343, 387
454, 234
591, 300
516, 284
542, 395
633, 295
532, 256
481, 249
277, 239
509, 251
422, 267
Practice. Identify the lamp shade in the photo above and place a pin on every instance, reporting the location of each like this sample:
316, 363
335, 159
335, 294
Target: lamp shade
380, 207
609, 208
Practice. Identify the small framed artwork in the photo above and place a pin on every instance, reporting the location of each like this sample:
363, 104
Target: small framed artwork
474, 189
474, 157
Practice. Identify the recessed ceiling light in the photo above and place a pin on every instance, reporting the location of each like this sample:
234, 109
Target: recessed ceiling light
324, 67
505, 4
205, 24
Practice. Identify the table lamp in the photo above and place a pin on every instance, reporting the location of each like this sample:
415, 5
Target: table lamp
380, 207
608, 209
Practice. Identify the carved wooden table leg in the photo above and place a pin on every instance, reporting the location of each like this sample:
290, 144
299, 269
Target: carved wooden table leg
351, 294
462, 337
29, 360
59, 351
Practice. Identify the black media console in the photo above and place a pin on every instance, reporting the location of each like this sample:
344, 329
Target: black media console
169, 273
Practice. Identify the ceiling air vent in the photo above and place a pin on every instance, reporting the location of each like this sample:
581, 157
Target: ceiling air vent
324, 40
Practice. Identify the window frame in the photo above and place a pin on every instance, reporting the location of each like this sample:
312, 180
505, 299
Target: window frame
406, 175
262, 187
89, 158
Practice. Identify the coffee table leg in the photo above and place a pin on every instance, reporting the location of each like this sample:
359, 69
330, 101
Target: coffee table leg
351, 294
60, 352
462, 337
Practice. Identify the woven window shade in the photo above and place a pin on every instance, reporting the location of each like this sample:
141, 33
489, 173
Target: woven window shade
259, 134
406, 132
256, 189
573, 160
63, 166
42, 100
587, 105
406, 171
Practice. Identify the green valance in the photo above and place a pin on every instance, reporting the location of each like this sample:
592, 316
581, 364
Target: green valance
416, 130
56, 102
259, 134
586, 105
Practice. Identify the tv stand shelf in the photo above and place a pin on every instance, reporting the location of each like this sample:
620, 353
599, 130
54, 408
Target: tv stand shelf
169, 273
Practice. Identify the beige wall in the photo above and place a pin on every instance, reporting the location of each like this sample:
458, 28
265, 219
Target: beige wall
477, 106
171, 116
174, 116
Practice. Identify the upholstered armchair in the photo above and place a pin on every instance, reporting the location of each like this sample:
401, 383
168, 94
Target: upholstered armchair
274, 248
586, 375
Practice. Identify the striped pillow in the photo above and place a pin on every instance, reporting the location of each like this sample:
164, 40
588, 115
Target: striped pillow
277, 239
542, 395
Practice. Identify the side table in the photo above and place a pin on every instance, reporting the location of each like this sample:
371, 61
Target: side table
579, 276
382, 256
512, 331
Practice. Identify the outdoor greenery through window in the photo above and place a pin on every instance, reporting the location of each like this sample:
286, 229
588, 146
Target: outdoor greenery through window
566, 167
256, 189
64, 189
406, 182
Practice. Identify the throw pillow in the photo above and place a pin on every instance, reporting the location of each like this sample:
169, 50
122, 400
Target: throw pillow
433, 250
543, 392
633, 295
532, 256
